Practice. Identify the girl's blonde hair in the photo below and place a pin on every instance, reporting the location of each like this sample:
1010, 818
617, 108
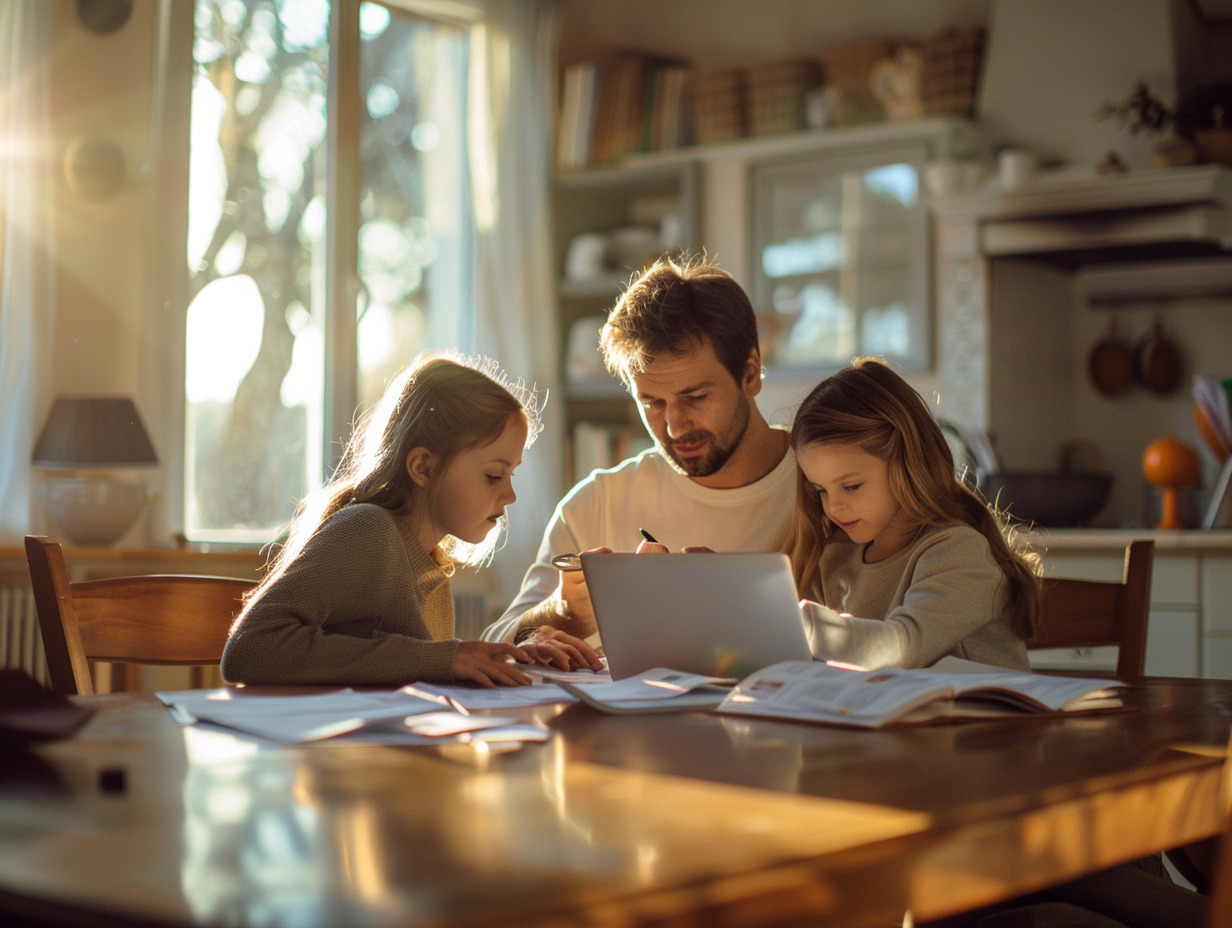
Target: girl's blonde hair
870, 407
443, 401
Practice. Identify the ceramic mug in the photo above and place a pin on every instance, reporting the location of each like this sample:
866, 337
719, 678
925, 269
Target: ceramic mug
1015, 167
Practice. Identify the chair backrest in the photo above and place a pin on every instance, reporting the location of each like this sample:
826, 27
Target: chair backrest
1091, 613
151, 619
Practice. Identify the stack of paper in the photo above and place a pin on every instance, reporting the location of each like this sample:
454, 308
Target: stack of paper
397, 717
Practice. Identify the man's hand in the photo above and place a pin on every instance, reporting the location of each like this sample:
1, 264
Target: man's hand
488, 663
551, 646
576, 616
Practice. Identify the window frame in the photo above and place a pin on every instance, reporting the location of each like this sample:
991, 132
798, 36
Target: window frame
167, 304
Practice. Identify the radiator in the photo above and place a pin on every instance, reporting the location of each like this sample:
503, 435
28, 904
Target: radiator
20, 645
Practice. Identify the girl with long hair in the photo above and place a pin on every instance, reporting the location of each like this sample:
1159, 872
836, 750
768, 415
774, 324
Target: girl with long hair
360, 591
900, 563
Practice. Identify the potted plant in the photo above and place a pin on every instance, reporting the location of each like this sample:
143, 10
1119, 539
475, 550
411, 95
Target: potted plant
1205, 116
1199, 127
1140, 112
1144, 113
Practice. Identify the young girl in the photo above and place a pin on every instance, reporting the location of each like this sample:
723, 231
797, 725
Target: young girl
360, 593
906, 564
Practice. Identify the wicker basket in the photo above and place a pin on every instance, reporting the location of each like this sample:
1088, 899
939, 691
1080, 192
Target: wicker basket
951, 74
849, 80
776, 94
720, 105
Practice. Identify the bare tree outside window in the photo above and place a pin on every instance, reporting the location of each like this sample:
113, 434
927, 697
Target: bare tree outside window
257, 336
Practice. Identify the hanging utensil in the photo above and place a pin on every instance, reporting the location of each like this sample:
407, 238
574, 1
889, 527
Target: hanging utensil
1158, 362
1111, 364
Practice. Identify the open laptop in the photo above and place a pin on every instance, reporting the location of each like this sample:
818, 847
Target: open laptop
717, 614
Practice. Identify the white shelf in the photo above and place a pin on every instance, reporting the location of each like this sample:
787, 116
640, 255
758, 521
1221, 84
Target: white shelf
948, 130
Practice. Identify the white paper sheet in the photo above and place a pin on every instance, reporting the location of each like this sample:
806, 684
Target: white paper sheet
396, 717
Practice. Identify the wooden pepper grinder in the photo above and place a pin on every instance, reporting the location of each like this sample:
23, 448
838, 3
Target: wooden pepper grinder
1172, 465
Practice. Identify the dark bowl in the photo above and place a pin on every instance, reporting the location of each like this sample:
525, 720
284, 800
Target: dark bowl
1050, 500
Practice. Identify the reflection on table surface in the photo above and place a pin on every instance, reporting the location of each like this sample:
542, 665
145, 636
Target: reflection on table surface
648, 818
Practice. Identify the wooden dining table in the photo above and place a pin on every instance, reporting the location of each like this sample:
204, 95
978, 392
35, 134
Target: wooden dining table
666, 819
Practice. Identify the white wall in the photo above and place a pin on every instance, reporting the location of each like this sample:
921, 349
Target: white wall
107, 337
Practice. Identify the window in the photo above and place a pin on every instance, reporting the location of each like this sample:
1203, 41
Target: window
840, 250
329, 237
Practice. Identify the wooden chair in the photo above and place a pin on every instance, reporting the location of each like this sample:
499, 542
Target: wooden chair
152, 619
1090, 613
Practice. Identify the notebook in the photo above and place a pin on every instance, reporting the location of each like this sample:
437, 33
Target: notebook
723, 615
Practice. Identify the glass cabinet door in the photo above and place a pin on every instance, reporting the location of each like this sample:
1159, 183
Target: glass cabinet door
841, 259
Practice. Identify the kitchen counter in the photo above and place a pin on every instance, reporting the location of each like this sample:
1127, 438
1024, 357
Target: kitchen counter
1079, 539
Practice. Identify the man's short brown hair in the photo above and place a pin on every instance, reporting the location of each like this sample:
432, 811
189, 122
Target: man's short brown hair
674, 307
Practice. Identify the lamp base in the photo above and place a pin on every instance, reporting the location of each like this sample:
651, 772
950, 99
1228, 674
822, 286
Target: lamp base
94, 510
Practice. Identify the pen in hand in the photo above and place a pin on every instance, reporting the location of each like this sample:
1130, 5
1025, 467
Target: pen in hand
649, 537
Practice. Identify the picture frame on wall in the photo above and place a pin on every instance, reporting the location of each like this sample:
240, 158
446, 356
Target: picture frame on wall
1219, 509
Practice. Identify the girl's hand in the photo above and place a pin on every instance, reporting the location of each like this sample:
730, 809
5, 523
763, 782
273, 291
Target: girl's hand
551, 646
488, 663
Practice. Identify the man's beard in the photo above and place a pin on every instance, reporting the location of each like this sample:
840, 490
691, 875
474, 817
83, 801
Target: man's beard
719, 452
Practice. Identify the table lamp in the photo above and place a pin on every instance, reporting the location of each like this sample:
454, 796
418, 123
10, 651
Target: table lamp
85, 442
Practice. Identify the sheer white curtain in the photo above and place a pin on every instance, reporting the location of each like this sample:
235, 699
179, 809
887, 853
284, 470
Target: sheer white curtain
512, 66
27, 247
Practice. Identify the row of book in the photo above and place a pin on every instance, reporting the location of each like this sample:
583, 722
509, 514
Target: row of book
598, 445
629, 102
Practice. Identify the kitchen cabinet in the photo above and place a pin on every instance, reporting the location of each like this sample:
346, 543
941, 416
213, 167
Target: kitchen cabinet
1189, 632
841, 256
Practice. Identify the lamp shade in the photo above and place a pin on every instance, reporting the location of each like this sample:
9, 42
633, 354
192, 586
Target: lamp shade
93, 432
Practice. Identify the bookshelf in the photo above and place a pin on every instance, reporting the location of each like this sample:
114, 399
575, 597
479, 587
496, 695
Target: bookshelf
643, 188
609, 223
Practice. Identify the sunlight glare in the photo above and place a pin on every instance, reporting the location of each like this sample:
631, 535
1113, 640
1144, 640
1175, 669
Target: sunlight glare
376, 338
425, 137
383, 99
252, 68
373, 20
230, 257
207, 182
306, 23
306, 378
223, 336
897, 181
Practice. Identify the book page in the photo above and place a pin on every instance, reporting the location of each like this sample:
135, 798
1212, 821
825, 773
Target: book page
817, 691
1030, 691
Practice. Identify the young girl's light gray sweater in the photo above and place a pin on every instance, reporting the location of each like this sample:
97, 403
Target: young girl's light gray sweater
363, 603
942, 594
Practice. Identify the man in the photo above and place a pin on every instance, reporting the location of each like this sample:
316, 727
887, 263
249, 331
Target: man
683, 339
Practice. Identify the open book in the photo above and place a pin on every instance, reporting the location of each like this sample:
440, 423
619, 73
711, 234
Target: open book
818, 692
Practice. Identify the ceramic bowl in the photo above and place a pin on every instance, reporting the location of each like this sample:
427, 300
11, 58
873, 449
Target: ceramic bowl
1048, 499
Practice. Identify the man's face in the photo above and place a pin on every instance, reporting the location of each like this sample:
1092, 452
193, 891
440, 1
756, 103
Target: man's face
697, 412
